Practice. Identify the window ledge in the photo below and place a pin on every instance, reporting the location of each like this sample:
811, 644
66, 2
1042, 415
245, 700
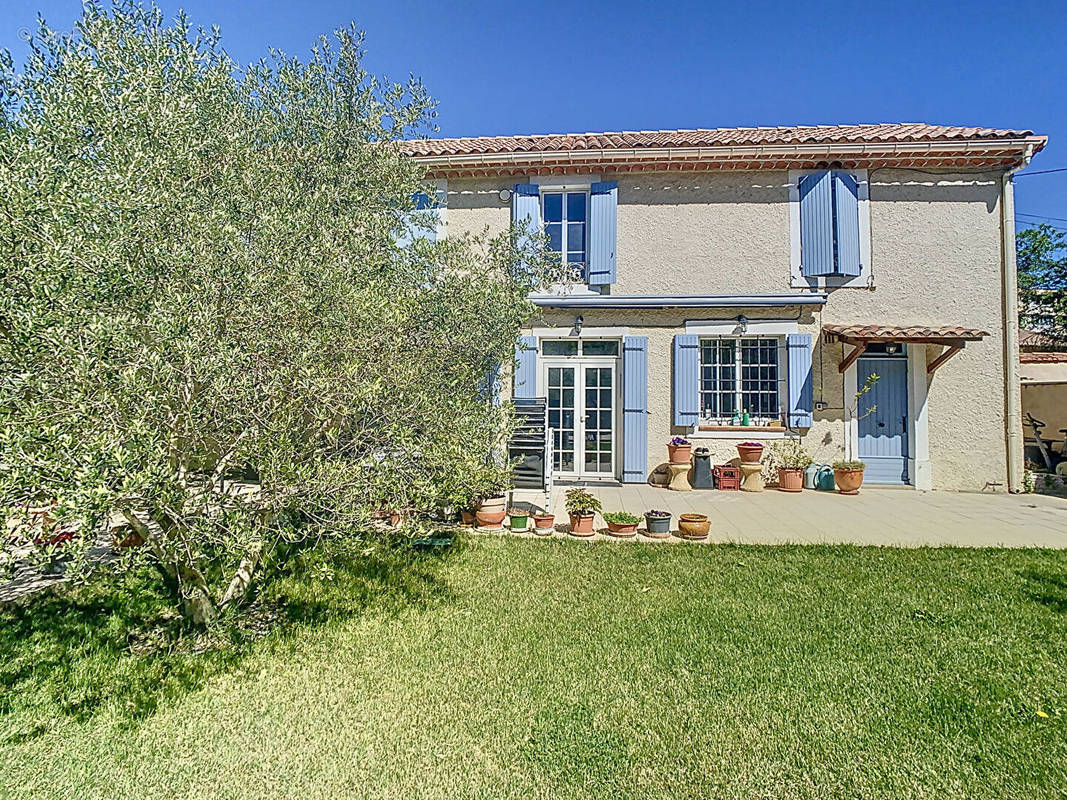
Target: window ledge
740, 432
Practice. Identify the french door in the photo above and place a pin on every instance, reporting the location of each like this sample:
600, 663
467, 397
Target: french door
581, 414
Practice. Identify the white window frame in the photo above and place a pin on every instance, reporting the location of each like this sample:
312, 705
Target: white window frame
780, 366
442, 208
565, 189
797, 279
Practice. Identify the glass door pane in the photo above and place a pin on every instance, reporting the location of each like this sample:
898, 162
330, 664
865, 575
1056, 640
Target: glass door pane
561, 417
599, 396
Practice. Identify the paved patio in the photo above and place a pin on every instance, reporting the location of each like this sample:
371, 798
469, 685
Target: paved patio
876, 516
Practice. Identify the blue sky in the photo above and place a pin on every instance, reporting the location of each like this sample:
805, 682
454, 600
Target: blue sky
547, 67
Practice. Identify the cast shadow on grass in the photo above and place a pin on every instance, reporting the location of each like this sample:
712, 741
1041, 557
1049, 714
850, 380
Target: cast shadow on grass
1047, 588
118, 644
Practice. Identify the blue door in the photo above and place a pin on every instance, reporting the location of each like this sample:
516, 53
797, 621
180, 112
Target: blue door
883, 434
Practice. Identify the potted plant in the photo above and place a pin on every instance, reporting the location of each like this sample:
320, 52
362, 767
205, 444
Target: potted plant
581, 506
621, 524
490, 520
750, 452
848, 475
493, 502
658, 524
693, 526
543, 523
679, 450
467, 516
519, 519
793, 460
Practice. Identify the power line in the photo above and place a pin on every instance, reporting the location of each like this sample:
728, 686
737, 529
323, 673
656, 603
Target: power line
1039, 216
1040, 172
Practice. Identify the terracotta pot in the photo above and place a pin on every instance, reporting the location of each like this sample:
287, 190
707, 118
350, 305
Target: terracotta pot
498, 503
544, 521
493, 520
582, 524
848, 480
679, 453
790, 479
693, 526
622, 529
468, 517
749, 454
131, 539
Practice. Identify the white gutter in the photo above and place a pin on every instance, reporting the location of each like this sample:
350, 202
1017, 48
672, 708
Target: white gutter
679, 300
939, 149
1010, 276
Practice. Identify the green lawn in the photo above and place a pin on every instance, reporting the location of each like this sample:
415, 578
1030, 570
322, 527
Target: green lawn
534, 669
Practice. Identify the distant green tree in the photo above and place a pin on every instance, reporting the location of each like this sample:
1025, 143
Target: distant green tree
208, 325
1041, 253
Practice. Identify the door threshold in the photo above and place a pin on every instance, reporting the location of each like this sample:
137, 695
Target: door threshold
598, 483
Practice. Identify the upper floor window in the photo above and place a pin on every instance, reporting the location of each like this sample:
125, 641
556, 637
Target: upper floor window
739, 375
566, 217
830, 228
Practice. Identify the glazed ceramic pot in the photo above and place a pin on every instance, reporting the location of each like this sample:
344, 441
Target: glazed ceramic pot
790, 479
519, 522
679, 453
582, 524
491, 520
848, 480
693, 526
498, 503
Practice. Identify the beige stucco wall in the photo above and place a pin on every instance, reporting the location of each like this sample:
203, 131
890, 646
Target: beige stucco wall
935, 259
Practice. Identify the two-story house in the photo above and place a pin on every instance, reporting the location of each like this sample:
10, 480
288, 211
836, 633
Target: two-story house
762, 275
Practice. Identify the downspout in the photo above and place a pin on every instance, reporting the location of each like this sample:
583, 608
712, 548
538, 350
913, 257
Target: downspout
1014, 410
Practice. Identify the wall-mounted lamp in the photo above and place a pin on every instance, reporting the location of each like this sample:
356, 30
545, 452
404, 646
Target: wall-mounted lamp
578, 322
892, 348
742, 322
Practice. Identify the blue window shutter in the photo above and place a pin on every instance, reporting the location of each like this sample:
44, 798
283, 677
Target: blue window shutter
801, 397
686, 369
526, 212
634, 409
489, 386
816, 225
525, 367
420, 223
847, 224
603, 207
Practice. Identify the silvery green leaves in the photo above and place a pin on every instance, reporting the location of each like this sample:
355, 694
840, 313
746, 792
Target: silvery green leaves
208, 334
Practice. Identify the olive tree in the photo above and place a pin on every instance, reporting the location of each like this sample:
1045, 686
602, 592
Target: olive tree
209, 329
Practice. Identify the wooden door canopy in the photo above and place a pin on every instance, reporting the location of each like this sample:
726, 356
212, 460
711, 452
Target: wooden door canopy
953, 339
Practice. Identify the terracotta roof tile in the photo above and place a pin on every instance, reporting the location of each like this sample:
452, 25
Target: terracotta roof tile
712, 137
903, 332
1043, 358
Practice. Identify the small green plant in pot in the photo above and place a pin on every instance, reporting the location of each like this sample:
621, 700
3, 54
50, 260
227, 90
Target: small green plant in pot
519, 519
792, 460
848, 475
621, 523
581, 507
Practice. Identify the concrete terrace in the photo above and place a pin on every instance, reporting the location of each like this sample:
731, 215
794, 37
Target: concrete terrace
876, 516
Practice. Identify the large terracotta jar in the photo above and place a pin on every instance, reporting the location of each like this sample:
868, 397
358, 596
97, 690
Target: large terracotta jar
693, 526
848, 480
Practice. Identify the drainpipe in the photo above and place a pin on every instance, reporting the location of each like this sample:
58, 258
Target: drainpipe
1014, 411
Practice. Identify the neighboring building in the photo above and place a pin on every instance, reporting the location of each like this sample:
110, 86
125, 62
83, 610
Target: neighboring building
1043, 372
768, 270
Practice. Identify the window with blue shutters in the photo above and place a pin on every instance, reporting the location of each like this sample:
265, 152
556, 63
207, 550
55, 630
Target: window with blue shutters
579, 222
420, 223
832, 205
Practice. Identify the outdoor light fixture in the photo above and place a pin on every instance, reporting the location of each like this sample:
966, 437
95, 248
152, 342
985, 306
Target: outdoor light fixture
578, 322
504, 195
742, 322
892, 348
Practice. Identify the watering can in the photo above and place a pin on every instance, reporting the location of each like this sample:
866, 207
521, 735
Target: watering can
811, 473
824, 478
